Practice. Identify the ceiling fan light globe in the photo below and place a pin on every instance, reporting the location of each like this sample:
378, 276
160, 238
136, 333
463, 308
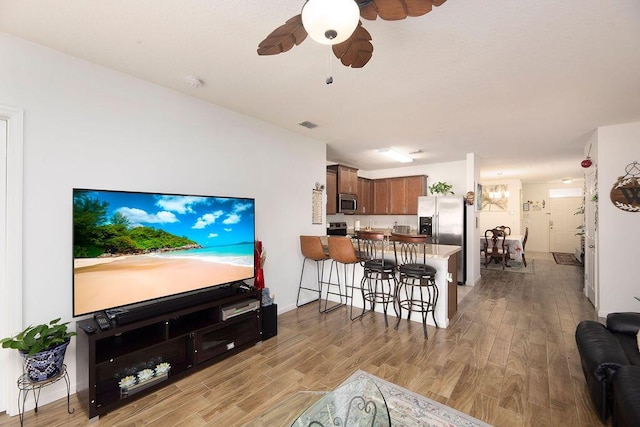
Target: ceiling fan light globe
330, 21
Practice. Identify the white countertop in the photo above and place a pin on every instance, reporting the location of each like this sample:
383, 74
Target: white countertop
433, 250
441, 251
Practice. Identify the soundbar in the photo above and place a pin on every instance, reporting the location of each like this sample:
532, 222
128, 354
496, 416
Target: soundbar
159, 307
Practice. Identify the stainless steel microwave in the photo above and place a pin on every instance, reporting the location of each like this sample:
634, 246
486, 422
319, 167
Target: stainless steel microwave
347, 203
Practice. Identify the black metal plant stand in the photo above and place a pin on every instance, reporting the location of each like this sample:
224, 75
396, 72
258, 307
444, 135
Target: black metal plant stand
25, 385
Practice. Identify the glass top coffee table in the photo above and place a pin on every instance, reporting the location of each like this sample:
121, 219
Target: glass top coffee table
357, 403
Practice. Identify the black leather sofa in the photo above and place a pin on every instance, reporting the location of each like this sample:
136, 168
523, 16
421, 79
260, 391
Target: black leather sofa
626, 396
604, 350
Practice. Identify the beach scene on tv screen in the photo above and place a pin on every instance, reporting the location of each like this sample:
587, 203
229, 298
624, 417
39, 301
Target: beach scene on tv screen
132, 247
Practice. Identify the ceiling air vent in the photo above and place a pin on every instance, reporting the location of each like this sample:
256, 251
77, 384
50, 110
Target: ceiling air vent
307, 124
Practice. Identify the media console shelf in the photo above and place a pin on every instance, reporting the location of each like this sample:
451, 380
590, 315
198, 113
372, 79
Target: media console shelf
188, 339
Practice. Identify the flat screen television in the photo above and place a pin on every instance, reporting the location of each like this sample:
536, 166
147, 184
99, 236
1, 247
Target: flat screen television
133, 247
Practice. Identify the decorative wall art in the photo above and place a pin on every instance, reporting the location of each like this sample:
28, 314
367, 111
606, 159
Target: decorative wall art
478, 197
316, 204
316, 207
495, 198
625, 193
534, 205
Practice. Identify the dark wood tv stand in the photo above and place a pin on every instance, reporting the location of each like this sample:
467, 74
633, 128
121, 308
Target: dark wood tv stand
189, 339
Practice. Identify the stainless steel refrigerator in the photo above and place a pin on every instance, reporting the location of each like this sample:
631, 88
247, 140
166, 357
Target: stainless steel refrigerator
444, 218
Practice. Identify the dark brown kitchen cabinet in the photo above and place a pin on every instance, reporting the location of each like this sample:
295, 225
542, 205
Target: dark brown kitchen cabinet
404, 193
347, 179
332, 195
364, 196
398, 196
416, 187
380, 196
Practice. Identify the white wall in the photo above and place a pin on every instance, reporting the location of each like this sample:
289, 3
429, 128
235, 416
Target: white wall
4, 294
89, 127
473, 229
511, 216
538, 220
618, 231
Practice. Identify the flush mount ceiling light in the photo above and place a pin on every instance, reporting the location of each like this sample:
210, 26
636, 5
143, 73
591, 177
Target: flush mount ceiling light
567, 181
395, 155
330, 21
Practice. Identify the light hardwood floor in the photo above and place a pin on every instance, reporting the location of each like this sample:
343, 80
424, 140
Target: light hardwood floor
508, 358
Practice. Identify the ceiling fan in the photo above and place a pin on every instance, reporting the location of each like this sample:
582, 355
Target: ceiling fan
352, 45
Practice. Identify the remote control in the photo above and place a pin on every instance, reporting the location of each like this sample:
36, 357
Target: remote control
88, 328
103, 320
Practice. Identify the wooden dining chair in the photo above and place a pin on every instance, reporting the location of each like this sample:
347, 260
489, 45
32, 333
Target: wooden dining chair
505, 228
495, 247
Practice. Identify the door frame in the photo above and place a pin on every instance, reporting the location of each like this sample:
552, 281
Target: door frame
591, 237
11, 263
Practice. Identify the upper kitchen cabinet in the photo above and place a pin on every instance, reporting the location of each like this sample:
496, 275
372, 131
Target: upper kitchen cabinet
364, 196
403, 194
347, 179
380, 196
416, 187
332, 195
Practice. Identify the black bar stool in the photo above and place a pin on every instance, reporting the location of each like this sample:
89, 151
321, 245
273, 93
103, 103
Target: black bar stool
415, 276
379, 278
341, 251
312, 250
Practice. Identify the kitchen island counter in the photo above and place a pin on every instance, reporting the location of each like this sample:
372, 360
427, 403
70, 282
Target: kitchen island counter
438, 256
433, 250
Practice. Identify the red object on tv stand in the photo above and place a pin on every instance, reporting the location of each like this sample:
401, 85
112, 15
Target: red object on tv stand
258, 281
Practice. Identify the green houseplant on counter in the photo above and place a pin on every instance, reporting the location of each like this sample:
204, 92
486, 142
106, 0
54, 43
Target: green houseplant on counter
441, 188
43, 348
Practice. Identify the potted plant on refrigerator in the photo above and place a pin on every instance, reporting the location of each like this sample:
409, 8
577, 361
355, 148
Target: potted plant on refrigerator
441, 188
43, 348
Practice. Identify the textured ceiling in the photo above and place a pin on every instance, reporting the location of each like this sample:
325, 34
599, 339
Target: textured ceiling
522, 84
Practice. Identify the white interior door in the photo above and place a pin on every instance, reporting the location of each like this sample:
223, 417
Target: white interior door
563, 223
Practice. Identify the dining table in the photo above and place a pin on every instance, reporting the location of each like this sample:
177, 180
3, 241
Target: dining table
514, 241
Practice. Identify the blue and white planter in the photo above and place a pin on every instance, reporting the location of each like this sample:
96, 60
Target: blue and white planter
46, 364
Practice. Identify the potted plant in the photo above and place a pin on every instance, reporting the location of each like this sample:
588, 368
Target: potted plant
441, 188
43, 348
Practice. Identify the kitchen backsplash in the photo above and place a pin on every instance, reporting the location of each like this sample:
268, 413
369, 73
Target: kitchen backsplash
376, 221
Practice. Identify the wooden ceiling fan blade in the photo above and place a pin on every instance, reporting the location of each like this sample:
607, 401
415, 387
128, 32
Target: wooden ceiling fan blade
369, 12
394, 10
283, 38
357, 50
